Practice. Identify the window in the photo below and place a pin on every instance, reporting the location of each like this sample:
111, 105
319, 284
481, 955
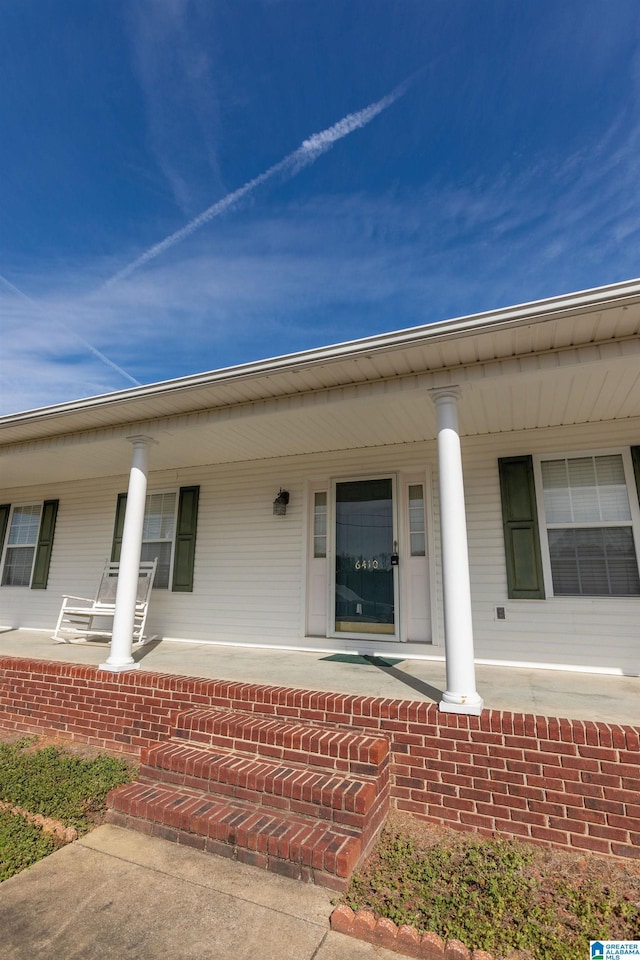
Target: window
320, 524
158, 534
28, 531
416, 520
168, 533
21, 546
586, 511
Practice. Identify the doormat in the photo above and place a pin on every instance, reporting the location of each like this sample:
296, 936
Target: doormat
358, 658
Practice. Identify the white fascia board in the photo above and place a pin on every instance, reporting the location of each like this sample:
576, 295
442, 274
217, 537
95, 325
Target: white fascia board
537, 311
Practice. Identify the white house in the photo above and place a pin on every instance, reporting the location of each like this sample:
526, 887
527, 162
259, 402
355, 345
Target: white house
466, 489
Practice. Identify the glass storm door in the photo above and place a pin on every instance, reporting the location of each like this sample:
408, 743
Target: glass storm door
366, 554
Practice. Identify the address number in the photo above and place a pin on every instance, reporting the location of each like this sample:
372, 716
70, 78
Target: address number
366, 565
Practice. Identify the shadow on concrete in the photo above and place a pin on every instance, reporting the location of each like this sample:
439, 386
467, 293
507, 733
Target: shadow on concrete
146, 648
421, 686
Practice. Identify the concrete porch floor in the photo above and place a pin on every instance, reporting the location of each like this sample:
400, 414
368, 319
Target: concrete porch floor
576, 696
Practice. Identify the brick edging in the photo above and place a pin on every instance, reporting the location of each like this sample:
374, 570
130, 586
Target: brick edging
382, 932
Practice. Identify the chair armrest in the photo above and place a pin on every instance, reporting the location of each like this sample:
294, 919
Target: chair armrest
68, 596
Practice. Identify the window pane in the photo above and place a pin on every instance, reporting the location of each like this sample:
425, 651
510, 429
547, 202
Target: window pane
320, 524
159, 516
17, 566
163, 552
417, 545
555, 482
24, 525
592, 562
416, 520
585, 490
612, 489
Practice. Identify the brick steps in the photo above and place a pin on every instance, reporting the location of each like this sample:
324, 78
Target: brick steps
264, 782
317, 745
299, 799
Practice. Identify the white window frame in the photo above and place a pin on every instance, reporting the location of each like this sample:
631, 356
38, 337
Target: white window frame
176, 493
634, 523
8, 547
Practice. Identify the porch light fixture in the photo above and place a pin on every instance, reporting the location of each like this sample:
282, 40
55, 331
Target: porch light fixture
280, 503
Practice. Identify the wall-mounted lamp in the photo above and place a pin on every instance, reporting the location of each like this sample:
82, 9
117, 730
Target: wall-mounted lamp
280, 503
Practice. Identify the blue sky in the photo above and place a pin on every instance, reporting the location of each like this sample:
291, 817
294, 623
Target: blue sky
321, 171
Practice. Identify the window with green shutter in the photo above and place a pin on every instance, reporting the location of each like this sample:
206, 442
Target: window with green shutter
169, 534
26, 532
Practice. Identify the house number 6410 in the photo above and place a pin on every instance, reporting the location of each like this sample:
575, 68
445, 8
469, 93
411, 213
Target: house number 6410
366, 564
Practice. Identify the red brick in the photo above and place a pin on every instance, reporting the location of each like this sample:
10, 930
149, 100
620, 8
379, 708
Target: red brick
455, 950
526, 816
608, 833
364, 924
590, 843
606, 806
408, 942
543, 758
342, 918
599, 753
626, 850
431, 947
385, 933
512, 827
626, 822
569, 824
552, 836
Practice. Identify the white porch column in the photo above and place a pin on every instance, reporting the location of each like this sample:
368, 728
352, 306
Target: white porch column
126, 593
461, 695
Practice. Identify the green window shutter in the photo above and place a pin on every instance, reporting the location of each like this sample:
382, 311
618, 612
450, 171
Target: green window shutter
5, 510
520, 522
45, 545
635, 456
185, 549
118, 528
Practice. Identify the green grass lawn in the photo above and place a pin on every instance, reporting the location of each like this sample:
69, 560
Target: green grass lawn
54, 782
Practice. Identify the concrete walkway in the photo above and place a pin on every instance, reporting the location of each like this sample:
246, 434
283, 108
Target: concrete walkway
553, 693
117, 894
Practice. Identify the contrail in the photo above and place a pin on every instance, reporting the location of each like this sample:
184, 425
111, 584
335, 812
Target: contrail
306, 154
85, 343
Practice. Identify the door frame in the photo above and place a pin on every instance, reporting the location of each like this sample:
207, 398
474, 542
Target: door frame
331, 560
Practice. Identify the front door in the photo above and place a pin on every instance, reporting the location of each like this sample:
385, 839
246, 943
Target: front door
366, 555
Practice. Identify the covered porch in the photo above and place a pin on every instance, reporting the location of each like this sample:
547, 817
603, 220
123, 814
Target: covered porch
585, 696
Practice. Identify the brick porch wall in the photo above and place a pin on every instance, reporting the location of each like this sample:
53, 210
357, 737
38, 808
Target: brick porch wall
570, 783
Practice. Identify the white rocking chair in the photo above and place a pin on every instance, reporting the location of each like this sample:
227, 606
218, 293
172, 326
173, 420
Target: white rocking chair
81, 617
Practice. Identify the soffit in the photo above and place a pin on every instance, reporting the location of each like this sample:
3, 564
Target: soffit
519, 369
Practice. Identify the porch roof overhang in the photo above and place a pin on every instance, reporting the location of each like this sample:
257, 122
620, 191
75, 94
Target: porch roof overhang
565, 360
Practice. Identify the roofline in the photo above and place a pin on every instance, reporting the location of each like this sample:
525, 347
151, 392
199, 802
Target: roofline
535, 311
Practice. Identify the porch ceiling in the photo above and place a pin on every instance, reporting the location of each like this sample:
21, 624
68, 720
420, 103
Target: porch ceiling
380, 415
564, 361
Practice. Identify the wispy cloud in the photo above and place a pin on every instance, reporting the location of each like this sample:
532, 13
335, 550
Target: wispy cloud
306, 154
39, 308
332, 267
174, 68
